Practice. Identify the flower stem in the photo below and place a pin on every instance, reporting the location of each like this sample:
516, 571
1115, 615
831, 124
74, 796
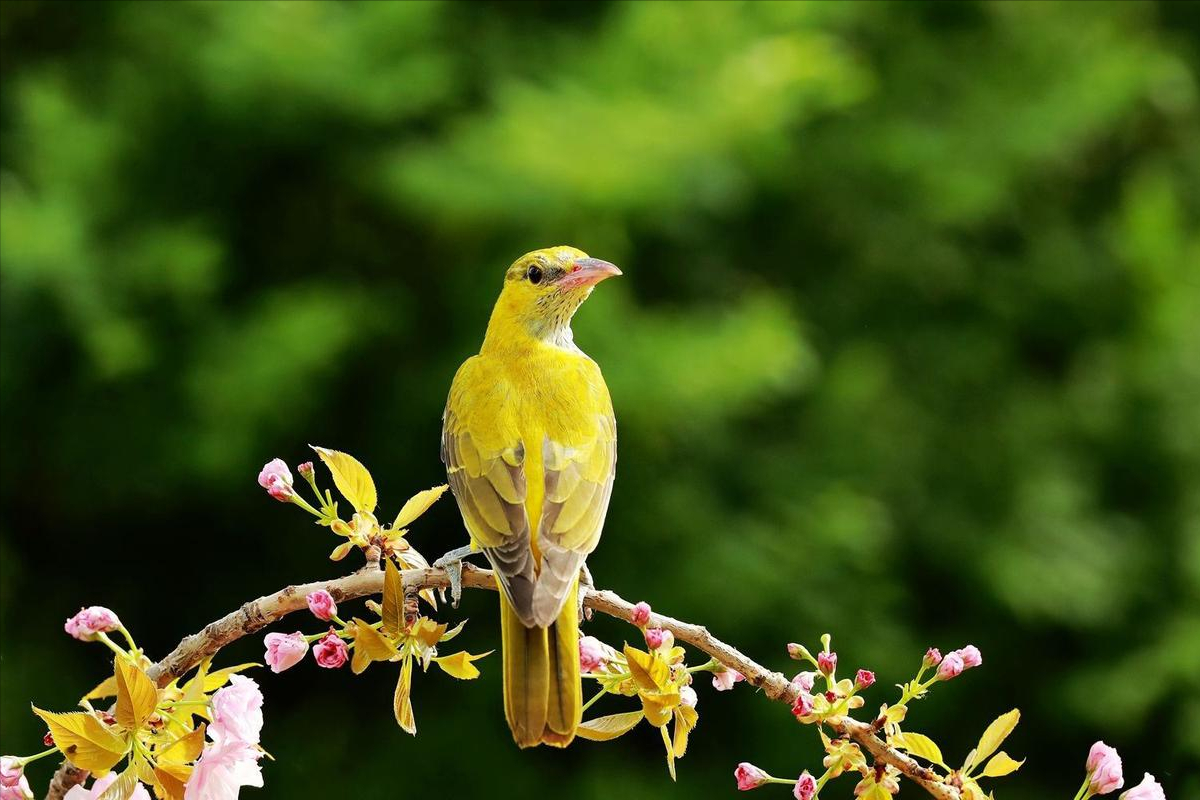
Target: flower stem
1084, 791
101, 636
591, 702
27, 759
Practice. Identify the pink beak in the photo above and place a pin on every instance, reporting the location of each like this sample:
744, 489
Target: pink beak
587, 272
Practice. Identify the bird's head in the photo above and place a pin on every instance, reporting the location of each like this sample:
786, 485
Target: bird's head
543, 289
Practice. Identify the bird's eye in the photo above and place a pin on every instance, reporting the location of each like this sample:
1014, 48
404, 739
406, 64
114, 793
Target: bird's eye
534, 274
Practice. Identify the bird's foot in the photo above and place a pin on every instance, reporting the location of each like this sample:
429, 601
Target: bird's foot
452, 563
585, 582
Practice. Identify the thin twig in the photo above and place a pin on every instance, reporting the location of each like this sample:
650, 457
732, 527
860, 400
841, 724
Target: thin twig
258, 614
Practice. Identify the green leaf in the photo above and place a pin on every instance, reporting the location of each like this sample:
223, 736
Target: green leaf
459, 665
351, 478
1001, 764
417, 505
137, 696
393, 599
918, 745
402, 702
602, 729
993, 737
84, 740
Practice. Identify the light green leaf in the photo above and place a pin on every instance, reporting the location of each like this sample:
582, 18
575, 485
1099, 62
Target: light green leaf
417, 505
351, 478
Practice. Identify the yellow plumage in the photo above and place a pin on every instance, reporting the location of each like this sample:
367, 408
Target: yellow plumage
529, 443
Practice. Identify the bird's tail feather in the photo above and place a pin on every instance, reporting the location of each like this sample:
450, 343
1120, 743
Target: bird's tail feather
543, 698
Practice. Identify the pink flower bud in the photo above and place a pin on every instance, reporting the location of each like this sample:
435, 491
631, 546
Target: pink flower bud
1148, 789
1104, 769
654, 638
306, 470
724, 680
749, 776
688, 696
863, 678
827, 662
803, 705
641, 614
933, 657
274, 471
799, 652
330, 652
284, 650
951, 666
806, 787
321, 604
13, 783
591, 654
971, 656
805, 681
90, 621
283, 492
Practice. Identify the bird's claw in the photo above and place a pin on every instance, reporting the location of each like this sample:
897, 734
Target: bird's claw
452, 563
585, 582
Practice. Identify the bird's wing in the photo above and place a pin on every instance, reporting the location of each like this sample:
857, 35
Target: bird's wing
485, 465
579, 481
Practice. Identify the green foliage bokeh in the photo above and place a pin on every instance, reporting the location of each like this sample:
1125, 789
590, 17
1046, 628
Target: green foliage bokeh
907, 348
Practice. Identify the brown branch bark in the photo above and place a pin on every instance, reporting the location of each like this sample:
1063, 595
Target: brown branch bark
258, 614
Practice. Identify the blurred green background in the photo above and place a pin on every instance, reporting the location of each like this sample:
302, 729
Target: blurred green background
907, 349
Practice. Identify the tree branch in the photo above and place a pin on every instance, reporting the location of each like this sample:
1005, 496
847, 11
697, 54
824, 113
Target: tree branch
258, 614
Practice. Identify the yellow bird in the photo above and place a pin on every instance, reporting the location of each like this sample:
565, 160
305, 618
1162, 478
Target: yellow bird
530, 446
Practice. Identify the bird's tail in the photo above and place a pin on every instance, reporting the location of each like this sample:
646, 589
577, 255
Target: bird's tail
543, 698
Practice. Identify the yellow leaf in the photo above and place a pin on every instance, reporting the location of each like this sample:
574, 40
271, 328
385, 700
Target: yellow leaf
84, 740
918, 745
171, 786
181, 772
459, 665
455, 631
1001, 764
136, 695
215, 680
122, 787
993, 737
417, 505
402, 703
350, 477
369, 645
602, 729
428, 632
896, 713
685, 719
670, 751
876, 792
185, 749
393, 599
106, 688
657, 707
341, 551
650, 673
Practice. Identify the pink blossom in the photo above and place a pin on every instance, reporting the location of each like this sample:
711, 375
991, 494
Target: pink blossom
806, 787
305, 470
688, 696
805, 681
237, 712
98, 787
591, 654
827, 662
803, 705
1148, 789
724, 680
321, 604
13, 783
749, 776
330, 652
863, 678
1104, 769
91, 620
223, 769
971, 656
275, 470
951, 666
933, 657
641, 614
654, 638
284, 650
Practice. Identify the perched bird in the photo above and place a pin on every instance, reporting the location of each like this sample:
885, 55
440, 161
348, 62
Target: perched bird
530, 446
